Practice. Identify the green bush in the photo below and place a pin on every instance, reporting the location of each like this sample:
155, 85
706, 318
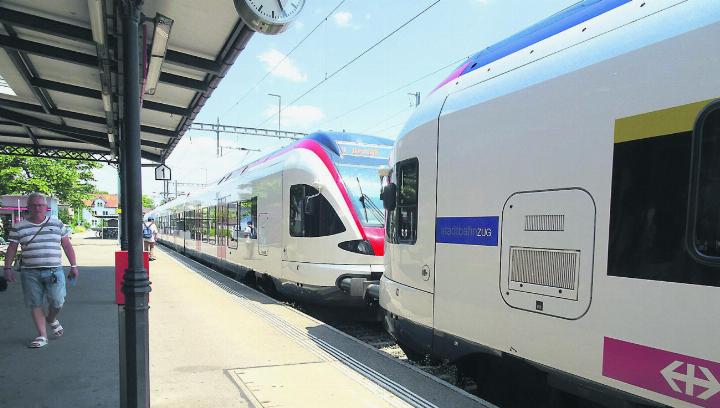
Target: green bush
79, 228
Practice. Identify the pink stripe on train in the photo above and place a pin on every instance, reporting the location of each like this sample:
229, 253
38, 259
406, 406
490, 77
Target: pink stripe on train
676, 375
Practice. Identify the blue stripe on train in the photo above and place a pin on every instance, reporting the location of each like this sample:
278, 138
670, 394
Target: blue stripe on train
467, 230
557, 23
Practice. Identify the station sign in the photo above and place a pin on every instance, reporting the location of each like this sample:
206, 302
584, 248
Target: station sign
163, 172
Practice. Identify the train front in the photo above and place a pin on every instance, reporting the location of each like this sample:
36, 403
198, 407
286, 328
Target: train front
343, 198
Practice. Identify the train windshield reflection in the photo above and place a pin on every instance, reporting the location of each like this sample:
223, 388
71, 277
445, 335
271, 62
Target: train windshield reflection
363, 186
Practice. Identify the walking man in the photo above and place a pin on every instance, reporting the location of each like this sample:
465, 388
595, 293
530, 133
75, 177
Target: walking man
150, 233
40, 265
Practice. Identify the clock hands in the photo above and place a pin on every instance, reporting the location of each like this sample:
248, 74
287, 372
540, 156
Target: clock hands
282, 7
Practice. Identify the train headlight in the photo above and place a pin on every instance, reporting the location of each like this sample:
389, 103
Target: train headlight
358, 246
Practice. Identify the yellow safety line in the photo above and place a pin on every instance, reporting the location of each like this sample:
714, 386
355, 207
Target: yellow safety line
659, 123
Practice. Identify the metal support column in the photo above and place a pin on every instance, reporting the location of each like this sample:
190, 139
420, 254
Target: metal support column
136, 285
122, 165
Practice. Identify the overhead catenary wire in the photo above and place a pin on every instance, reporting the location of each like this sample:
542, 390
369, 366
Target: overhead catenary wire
328, 77
390, 127
394, 115
271, 70
364, 104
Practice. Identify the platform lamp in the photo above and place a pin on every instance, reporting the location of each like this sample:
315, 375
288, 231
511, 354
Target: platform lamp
161, 34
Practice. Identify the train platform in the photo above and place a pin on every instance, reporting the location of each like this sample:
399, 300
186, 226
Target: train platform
213, 342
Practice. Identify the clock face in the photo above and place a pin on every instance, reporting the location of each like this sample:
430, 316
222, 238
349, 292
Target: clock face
276, 11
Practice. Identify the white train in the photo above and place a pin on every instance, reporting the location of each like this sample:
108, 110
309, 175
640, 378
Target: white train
555, 205
304, 220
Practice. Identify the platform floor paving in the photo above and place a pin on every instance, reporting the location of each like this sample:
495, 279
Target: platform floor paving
213, 343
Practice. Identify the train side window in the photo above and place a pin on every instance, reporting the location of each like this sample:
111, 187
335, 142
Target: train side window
205, 224
311, 214
402, 223
248, 219
233, 226
703, 232
212, 225
662, 224
197, 233
181, 222
221, 223
189, 224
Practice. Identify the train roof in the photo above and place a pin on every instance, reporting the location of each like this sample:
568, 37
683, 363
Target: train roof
604, 29
334, 142
557, 23
330, 140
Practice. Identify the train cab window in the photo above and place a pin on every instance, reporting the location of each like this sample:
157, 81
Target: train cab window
311, 214
403, 221
706, 203
248, 219
233, 225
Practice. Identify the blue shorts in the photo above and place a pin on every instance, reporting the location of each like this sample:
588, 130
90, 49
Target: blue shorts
35, 291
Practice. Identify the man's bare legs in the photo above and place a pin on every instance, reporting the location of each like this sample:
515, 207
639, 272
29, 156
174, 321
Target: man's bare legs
41, 320
52, 314
38, 315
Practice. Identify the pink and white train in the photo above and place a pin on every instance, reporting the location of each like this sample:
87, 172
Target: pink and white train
303, 220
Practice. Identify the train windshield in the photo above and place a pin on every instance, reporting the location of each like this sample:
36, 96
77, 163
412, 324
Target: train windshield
363, 186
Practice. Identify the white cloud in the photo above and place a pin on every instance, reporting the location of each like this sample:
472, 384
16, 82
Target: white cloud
296, 118
287, 69
298, 25
342, 18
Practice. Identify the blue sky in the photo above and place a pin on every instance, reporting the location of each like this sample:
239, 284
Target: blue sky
447, 32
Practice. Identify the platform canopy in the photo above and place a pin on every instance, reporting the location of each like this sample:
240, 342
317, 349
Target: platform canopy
61, 79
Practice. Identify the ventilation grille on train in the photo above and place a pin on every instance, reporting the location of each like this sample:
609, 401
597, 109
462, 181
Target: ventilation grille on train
544, 267
544, 223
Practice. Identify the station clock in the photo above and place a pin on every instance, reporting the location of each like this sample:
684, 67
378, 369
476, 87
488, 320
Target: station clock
268, 16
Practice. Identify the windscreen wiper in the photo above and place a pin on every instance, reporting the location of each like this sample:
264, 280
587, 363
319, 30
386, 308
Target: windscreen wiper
362, 199
366, 201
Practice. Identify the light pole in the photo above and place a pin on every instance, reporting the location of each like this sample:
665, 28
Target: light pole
279, 103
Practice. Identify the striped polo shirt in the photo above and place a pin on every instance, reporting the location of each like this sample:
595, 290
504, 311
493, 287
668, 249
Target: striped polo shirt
45, 250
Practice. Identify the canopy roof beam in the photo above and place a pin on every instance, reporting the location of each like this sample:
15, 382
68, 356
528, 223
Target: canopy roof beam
82, 34
74, 57
84, 117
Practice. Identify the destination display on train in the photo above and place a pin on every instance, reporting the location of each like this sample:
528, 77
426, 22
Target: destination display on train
364, 150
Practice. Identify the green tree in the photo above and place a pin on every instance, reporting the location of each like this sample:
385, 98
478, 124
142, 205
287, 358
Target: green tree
64, 215
147, 201
70, 181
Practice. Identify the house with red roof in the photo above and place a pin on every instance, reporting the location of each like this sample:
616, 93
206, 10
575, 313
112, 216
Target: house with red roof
100, 207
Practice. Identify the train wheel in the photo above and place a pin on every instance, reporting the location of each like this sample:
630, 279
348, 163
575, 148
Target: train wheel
266, 284
249, 279
412, 355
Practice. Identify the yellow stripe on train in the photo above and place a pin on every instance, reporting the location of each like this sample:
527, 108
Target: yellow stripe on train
658, 123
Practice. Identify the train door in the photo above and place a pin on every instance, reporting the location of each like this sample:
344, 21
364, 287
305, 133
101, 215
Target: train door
222, 228
294, 183
263, 231
411, 225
